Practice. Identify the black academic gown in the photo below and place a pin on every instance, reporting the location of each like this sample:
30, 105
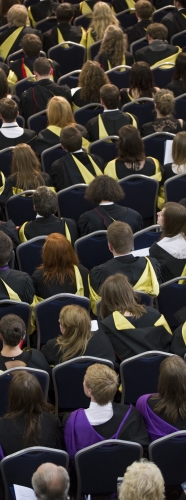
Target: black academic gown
19, 68
177, 87
126, 96
33, 358
10, 39
175, 22
41, 10
69, 34
43, 226
112, 121
137, 31
131, 336
28, 137
171, 267
152, 57
178, 344
105, 63
168, 172
65, 173
51, 137
46, 290
171, 125
21, 283
120, 170
102, 216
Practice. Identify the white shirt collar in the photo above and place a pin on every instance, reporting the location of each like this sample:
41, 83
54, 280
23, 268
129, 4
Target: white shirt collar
97, 414
78, 151
12, 124
122, 255
109, 110
39, 216
107, 203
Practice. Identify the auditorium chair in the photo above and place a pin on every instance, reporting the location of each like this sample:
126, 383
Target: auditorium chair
175, 188
119, 78
140, 109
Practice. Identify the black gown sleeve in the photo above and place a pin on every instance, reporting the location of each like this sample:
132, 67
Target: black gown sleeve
134, 429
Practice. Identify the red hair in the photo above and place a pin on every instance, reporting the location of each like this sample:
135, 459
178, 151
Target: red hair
59, 258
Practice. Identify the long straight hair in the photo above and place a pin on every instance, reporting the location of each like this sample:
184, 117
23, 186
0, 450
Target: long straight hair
118, 295
76, 324
26, 167
174, 220
172, 389
59, 259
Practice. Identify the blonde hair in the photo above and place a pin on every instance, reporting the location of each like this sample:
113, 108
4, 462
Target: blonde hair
26, 167
142, 480
59, 112
179, 151
17, 15
114, 45
102, 17
103, 382
164, 100
77, 332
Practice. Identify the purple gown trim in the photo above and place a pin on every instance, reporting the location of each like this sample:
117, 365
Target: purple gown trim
156, 427
79, 433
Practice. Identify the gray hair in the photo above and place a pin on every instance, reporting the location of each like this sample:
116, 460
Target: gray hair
50, 482
45, 201
142, 480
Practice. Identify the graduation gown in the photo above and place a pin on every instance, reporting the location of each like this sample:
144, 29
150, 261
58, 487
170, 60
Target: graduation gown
138, 270
137, 31
31, 357
77, 101
175, 22
171, 266
120, 5
102, 216
131, 336
75, 169
43, 226
64, 32
156, 426
157, 53
10, 39
28, 137
105, 62
50, 136
22, 68
125, 424
46, 290
168, 172
108, 123
178, 344
126, 97
177, 87
15, 285
171, 125
11, 185
118, 170
41, 10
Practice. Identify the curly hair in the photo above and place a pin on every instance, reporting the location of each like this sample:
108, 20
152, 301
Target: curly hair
141, 79
104, 187
164, 100
142, 480
102, 17
114, 45
91, 79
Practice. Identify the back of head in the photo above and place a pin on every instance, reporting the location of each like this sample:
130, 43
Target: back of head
102, 17
75, 326
50, 482
59, 258
8, 110
118, 295
103, 383
141, 78
110, 95
31, 45
104, 188
164, 101
174, 220
42, 67
128, 136
180, 68
6, 247
183, 202
45, 201
144, 9
179, 149
12, 329
91, 79
25, 165
64, 12
25, 394
59, 112
3, 84
182, 3
142, 480
17, 16
157, 31
120, 237
114, 44
71, 138
172, 388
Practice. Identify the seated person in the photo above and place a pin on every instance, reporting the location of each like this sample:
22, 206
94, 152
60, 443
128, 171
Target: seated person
178, 83
113, 49
91, 79
170, 251
120, 5
45, 204
103, 419
158, 49
141, 479
76, 339
14, 285
132, 328
178, 345
60, 271
4, 7
130, 160
165, 412
23, 67
112, 119
143, 11
102, 17
77, 166
141, 82
86, 7
10, 39
12, 334
36, 98
165, 122
140, 271
175, 21
106, 192
64, 31
179, 157
10, 132
41, 10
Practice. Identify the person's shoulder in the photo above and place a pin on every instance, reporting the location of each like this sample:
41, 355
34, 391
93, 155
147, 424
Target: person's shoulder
50, 417
29, 133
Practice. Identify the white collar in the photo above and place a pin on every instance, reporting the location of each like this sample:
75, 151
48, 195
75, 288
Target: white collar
7, 125
122, 255
110, 110
39, 216
107, 203
97, 414
78, 151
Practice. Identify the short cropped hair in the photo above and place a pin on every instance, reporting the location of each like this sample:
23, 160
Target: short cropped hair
120, 236
144, 9
6, 247
45, 201
103, 382
157, 31
110, 95
142, 480
31, 45
42, 66
12, 329
50, 482
17, 15
64, 12
102, 188
8, 110
71, 138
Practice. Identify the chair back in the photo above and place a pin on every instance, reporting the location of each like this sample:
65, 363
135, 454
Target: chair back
24, 84
70, 79
175, 188
155, 144
140, 194
127, 18
141, 109
6, 160
139, 44
71, 202
179, 39
158, 15
171, 299
119, 78
93, 50
169, 454
70, 58
92, 249
19, 54
28, 3
38, 121
163, 74
98, 466
83, 21
46, 24
70, 395
139, 375
47, 314
19, 467
146, 237
48, 156
21, 309
86, 113
29, 254
105, 148
180, 106
4, 28
20, 208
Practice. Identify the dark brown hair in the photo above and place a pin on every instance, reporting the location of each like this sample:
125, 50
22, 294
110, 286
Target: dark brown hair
118, 295
174, 220
6, 247
180, 69
128, 137
144, 9
172, 389
71, 138
141, 78
42, 66
26, 167
91, 79
59, 259
64, 12
31, 45
8, 109
105, 188
157, 31
110, 96
12, 329
120, 236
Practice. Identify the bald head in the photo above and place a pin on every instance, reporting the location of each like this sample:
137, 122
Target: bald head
50, 482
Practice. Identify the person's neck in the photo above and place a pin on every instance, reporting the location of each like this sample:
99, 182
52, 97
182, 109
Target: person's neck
158, 115
10, 351
8, 123
115, 254
46, 77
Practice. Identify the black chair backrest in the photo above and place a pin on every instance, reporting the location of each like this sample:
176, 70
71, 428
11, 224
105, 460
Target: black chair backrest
86, 113
23, 85
83, 21
38, 121
105, 149
140, 195
46, 24
179, 39
92, 249
50, 155
169, 454
176, 189
20, 208
6, 160
180, 106
29, 254
141, 109
119, 78
158, 15
170, 300
70, 58
71, 202
71, 79
127, 18
163, 75
155, 145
